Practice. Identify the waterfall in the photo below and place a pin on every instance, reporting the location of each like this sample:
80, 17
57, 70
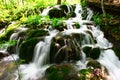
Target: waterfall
111, 62
40, 61
42, 50
90, 33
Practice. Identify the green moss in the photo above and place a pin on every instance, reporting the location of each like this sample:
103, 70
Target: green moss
60, 72
77, 25
27, 48
83, 74
36, 33
92, 52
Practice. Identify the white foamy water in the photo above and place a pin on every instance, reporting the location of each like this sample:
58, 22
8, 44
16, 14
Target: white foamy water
41, 60
111, 62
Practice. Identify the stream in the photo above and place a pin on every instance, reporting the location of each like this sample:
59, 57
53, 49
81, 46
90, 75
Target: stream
75, 39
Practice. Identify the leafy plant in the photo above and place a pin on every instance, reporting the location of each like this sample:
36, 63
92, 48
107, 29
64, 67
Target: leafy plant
7, 43
83, 3
96, 18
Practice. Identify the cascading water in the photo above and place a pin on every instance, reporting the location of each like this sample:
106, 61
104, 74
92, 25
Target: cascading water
92, 37
42, 50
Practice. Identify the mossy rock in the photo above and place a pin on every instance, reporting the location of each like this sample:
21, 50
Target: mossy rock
56, 13
91, 52
61, 72
65, 47
26, 49
6, 36
83, 74
93, 64
36, 33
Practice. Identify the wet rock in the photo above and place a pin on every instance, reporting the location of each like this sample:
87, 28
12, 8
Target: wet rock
13, 49
3, 54
7, 70
66, 47
36, 33
63, 71
58, 13
17, 37
93, 64
27, 48
92, 52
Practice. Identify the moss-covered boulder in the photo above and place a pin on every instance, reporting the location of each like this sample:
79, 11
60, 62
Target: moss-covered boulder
93, 64
8, 31
26, 49
66, 47
92, 52
36, 33
58, 13
61, 72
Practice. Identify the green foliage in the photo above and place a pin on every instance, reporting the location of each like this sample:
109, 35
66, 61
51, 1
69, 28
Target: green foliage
8, 31
77, 25
7, 44
55, 22
58, 23
84, 74
33, 20
97, 19
83, 3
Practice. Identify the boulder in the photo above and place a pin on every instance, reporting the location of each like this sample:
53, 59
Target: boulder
36, 33
94, 64
66, 47
62, 71
92, 52
26, 49
7, 70
58, 13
